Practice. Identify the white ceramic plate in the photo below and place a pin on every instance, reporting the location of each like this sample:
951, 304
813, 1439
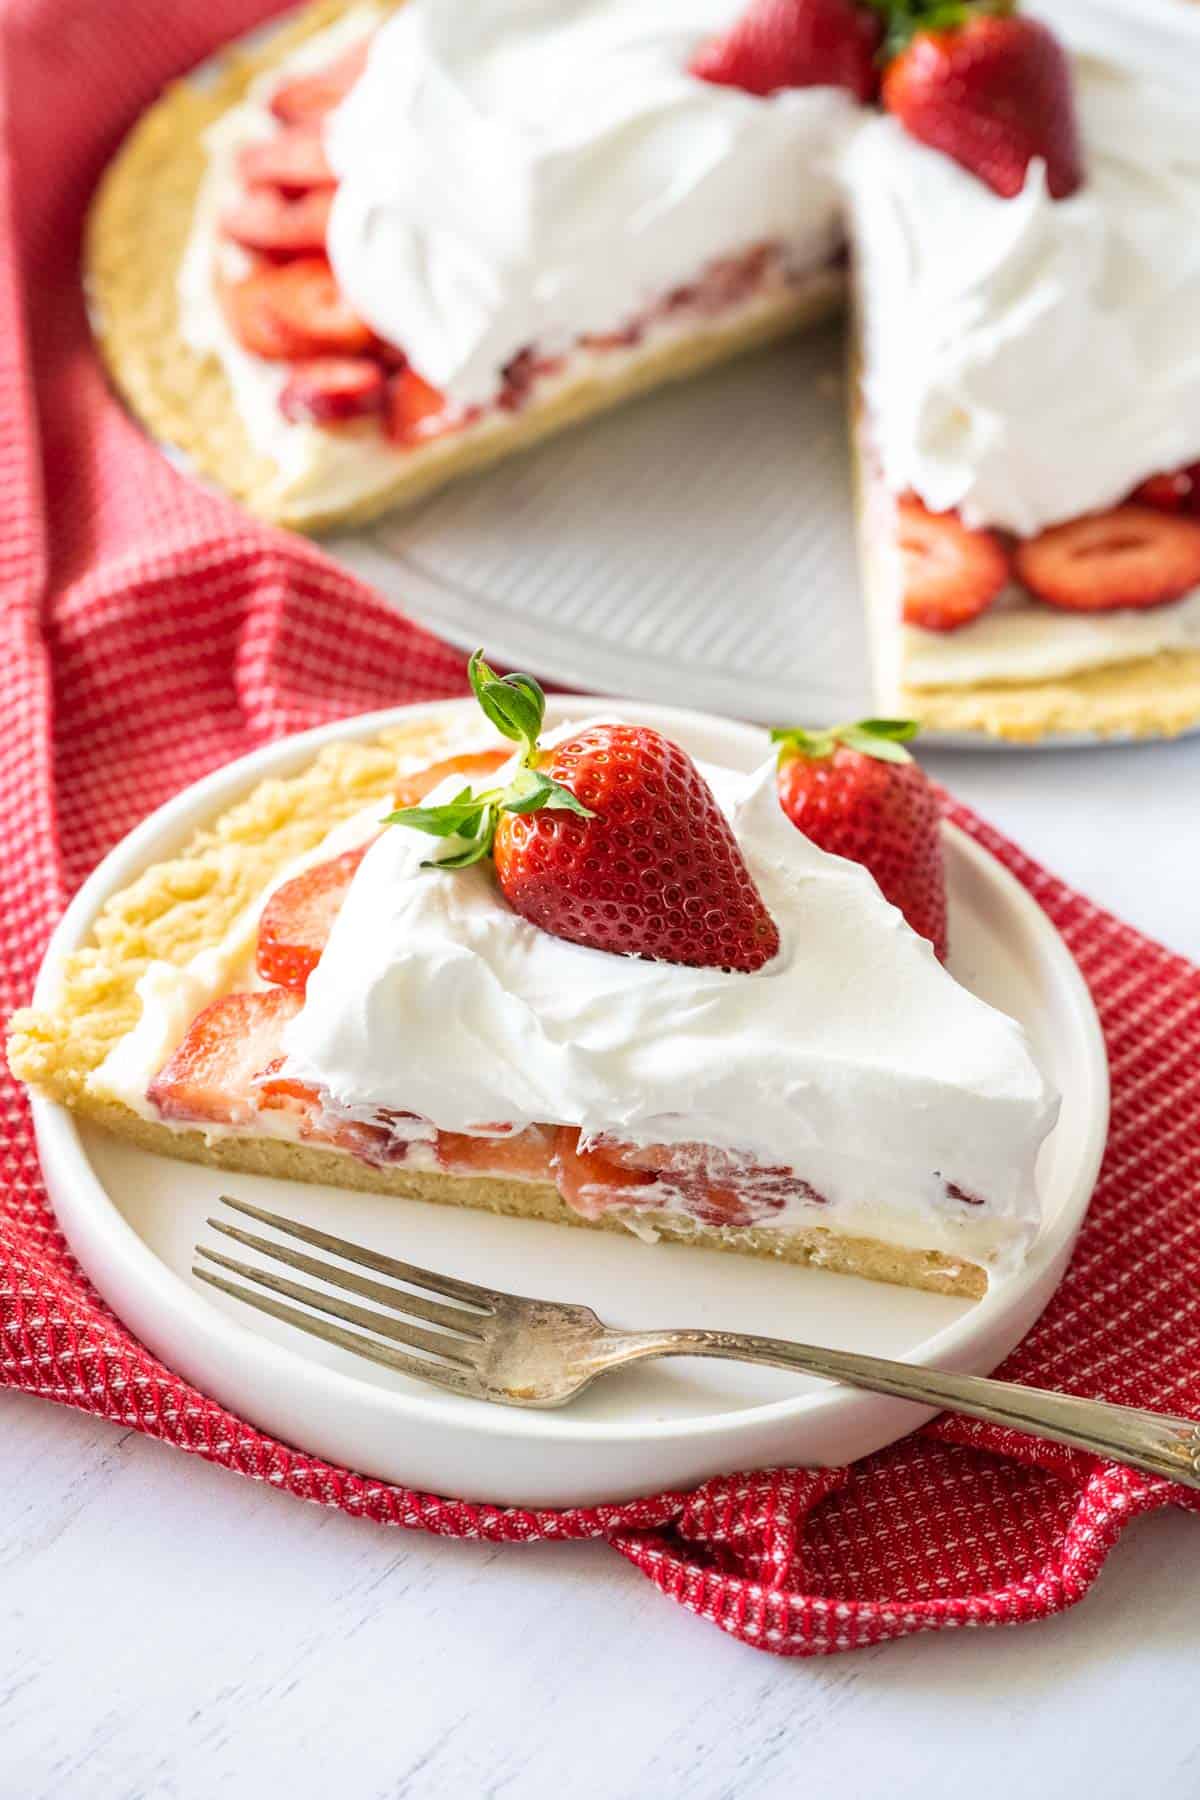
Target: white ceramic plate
132, 1219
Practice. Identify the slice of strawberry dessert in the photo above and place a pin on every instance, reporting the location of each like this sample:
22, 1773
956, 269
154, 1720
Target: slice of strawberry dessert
1029, 406
584, 978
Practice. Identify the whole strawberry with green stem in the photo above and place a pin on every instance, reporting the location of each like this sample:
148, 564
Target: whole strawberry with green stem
856, 791
610, 838
984, 85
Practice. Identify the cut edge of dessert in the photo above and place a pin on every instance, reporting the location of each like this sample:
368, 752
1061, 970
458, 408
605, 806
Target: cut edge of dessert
537, 824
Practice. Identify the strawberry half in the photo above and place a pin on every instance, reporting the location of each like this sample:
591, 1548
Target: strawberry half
290, 311
611, 839
293, 159
951, 573
298, 917
332, 388
1132, 556
305, 99
795, 43
856, 792
270, 224
210, 1079
988, 89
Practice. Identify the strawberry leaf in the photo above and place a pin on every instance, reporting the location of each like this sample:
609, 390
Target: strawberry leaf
531, 791
478, 846
906, 19
881, 748
514, 704
884, 739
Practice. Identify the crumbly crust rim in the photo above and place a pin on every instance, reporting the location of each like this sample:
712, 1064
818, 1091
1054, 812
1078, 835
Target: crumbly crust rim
181, 906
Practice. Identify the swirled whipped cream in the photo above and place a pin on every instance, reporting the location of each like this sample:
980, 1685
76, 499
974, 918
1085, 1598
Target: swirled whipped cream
853, 1058
1028, 360
527, 174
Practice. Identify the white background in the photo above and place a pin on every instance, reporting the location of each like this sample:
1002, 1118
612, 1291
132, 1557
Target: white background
169, 1629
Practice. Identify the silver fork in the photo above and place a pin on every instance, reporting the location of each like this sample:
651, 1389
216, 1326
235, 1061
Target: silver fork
507, 1348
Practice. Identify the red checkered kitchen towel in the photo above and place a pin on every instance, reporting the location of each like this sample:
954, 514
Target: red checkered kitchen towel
151, 633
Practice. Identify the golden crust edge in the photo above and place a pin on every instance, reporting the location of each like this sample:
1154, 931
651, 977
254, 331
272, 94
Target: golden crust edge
137, 232
183, 904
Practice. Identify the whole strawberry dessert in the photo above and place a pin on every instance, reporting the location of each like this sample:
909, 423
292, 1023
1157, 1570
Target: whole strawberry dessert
573, 974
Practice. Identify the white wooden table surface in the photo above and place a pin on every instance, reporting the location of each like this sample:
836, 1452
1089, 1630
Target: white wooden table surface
168, 1629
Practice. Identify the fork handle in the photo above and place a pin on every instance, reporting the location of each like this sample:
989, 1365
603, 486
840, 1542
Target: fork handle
1156, 1443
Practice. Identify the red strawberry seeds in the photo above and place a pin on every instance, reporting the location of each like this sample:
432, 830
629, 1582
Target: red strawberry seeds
856, 792
657, 871
612, 839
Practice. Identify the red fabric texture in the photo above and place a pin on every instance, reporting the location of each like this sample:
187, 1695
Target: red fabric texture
151, 633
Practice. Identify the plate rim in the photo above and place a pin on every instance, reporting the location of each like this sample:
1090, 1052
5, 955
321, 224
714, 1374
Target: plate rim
60, 1141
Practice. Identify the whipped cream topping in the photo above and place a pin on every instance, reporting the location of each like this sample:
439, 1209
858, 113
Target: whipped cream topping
1029, 360
514, 175
853, 1058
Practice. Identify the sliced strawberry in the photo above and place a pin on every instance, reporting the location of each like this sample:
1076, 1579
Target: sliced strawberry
293, 159
795, 43
332, 388
713, 1186
1176, 492
307, 98
1132, 556
291, 311
590, 1181
417, 411
298, 917
283, 1093
210, 1079
613, 340
267, 222
475, 765
526, 1155
951, 573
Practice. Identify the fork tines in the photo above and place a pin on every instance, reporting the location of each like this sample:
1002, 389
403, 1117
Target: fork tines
447, 1356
